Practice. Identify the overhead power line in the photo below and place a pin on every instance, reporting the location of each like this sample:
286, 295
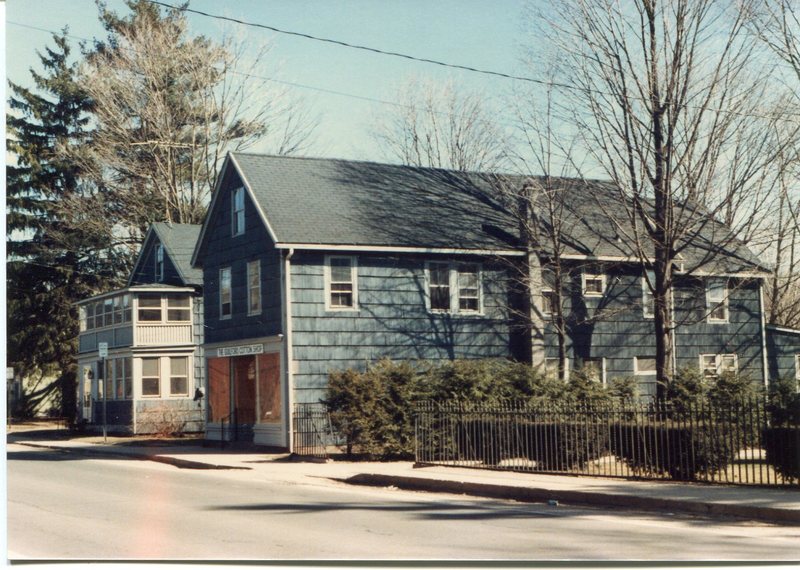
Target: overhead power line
358, 47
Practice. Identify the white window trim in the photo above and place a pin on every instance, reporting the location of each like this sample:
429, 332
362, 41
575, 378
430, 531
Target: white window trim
645, 305
711, 305
587, 276
171, 375
250, 311
718, 358
229, 316
637, 372
353, 277
452, 279
236, 192
142, 377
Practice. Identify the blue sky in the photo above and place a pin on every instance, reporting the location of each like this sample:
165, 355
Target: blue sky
467, 32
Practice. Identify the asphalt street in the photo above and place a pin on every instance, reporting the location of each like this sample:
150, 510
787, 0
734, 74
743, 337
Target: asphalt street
69, 506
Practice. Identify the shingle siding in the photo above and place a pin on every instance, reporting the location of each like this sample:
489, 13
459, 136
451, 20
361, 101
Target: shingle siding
783, 347
224, 250
391, 321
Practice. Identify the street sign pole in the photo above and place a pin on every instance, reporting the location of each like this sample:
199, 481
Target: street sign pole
102, 348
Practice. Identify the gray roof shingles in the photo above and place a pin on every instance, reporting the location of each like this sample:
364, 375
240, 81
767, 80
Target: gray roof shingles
179, 241
338, 202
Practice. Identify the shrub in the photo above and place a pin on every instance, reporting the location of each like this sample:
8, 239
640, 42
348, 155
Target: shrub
782, 445
731, 388
688, 389
624, 390
678, 450
584, 389
554, 444
354, 405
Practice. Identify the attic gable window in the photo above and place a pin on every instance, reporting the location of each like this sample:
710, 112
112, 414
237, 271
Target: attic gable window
717, 300
341, 285
237, 212
159, 260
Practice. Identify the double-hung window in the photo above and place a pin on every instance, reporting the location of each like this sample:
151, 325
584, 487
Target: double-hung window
151, 377
341, 283
454, 288
159, 262
178, 376
717, 300
549, 302
225, 302
237, 212
595, 369
648, 299
715, 364
254, 287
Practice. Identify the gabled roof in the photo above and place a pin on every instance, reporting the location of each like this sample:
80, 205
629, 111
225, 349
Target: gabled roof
179, 241
314, 203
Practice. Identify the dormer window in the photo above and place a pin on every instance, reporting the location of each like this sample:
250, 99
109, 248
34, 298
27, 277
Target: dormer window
160, 262
237, 212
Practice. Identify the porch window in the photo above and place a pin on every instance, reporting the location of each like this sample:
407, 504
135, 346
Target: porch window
648, 299
713, 365
439, 286
225, 305
119, 376
89, 312
178, 376
342, 290
151, 377
254, 287
108, 312
108, 379
237, 209
82, 318
150, 307
159, 262
468, 289
98, 315
128, 377
126, 308
179, 308
717, 300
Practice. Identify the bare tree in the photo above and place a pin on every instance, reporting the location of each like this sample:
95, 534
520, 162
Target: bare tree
166, 108
441, 126
665, 96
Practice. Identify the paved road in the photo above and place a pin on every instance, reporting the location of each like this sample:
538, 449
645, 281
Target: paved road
68, 506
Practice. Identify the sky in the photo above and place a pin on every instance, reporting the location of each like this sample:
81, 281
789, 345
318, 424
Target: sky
474, 33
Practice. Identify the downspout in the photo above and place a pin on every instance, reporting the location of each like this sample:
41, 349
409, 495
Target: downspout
287, 287
764, 363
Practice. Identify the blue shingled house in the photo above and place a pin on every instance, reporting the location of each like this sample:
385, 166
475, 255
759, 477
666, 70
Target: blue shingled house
153, 330
311, 265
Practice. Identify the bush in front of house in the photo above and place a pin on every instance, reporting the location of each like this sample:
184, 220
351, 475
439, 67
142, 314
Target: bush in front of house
781, 440
679, 450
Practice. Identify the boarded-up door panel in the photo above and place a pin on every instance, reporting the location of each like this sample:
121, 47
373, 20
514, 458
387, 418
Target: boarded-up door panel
219, 388
244, 389
269, 387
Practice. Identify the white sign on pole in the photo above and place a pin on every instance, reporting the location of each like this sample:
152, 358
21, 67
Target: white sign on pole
102, 348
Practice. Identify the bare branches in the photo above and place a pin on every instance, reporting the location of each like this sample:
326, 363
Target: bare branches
439, 126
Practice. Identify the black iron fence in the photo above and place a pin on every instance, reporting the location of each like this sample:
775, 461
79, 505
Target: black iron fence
740, 443
313, 433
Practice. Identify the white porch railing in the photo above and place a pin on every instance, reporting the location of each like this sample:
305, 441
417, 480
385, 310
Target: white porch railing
149, 335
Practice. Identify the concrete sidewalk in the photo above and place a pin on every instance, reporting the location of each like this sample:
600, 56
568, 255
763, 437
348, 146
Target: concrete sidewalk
753, 503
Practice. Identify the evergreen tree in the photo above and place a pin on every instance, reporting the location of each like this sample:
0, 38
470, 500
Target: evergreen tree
51, 262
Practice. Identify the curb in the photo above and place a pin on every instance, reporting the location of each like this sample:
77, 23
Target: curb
538, 495
166, 459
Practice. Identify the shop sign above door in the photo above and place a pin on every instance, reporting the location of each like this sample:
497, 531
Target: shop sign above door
243, 350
